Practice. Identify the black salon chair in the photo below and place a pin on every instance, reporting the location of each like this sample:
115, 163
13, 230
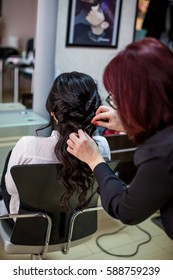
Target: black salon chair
6, 52
42, 226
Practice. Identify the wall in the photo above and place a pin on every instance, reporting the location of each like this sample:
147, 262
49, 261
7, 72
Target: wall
22, 22
19, 21
91, 60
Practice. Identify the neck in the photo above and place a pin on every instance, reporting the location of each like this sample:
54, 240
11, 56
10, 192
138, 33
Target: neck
97, 30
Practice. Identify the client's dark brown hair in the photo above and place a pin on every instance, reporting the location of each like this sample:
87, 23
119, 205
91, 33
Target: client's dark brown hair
74, 99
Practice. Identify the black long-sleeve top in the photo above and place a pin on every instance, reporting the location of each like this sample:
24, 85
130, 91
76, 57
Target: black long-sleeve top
151, 188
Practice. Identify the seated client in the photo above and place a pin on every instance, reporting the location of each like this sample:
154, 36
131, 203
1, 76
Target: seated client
71, 103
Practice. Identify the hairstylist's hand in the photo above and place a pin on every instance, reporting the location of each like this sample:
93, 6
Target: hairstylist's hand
107, 117
82, 146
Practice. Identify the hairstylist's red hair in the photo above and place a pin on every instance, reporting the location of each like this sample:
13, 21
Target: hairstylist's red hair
140, 79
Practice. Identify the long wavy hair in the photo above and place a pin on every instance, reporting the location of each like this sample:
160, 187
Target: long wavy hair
73, 99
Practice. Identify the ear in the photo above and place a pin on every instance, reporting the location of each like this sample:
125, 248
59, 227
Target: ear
104, 24
53, 115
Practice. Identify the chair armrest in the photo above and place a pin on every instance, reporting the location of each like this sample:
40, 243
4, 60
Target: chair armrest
34, 215
72, 221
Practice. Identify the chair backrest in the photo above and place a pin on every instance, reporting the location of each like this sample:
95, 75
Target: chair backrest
5, 52
40, 190
121, 147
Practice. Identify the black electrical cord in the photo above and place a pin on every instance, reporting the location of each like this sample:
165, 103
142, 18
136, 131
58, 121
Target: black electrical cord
115, 232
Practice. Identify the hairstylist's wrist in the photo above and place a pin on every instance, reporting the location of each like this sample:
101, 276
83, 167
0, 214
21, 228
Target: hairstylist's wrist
94, 163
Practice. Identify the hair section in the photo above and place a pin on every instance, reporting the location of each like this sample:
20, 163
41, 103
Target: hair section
73, 98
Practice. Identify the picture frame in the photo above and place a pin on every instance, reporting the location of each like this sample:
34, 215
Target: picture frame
93, 23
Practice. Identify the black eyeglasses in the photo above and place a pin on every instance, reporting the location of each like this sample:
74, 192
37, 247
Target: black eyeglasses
111, 102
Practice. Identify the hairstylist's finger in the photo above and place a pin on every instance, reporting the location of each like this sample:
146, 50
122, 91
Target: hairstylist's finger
73, 137
70, 143
102, 109
71, 150
103, 117
83, 135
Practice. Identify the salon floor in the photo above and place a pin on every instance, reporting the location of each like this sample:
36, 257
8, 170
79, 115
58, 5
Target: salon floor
124, 242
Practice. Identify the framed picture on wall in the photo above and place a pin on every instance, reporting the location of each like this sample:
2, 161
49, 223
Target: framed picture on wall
93, 23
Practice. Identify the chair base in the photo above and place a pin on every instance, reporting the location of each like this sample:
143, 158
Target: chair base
34, 251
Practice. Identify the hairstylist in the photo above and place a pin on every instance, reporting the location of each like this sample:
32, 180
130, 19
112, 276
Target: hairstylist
140, 80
